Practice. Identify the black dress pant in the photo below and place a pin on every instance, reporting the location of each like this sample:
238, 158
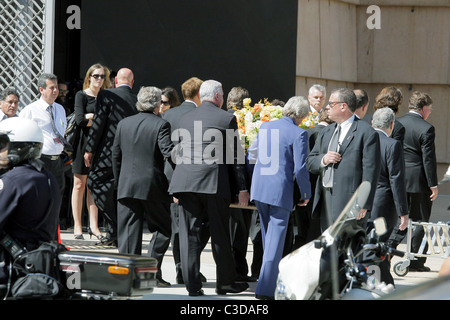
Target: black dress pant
131, 214
175, 238
195, 209
56, 167
240, 227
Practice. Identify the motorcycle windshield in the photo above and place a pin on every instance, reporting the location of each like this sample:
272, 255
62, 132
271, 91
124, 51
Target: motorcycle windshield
351, 210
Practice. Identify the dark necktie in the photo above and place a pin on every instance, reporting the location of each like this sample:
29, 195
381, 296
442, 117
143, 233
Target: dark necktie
327, 179
58, 135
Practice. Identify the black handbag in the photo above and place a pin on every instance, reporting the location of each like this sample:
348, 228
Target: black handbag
71, 133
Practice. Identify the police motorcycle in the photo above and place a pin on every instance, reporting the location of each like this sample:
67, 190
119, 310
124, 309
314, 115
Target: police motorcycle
341, 264
47, 269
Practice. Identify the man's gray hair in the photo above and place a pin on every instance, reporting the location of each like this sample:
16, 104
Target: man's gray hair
317, 87
296, 107
148, 99
208, 90
382, 118
42, 81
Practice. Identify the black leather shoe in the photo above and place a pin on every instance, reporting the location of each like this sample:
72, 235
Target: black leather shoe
161, 283
197, 293
232, 288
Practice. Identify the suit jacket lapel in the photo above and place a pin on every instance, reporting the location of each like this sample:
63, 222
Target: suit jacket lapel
349, 137
327, 137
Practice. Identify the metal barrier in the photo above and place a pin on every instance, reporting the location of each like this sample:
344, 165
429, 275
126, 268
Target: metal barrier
435, 236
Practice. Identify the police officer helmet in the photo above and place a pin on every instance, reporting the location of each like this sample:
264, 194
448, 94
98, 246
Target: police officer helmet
25, 138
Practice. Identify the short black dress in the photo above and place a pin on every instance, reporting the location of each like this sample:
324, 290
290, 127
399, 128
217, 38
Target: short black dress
84, 104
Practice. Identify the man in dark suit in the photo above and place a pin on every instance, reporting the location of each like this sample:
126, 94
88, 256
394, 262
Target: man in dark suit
421, 169
190, 91
355, 159
390, 196
208, 146
141, 145
112, 106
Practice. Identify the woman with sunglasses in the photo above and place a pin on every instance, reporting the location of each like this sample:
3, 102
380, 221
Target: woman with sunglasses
169, 99
97, 78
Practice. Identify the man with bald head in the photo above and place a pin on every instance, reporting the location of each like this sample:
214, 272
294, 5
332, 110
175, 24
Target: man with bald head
112, 106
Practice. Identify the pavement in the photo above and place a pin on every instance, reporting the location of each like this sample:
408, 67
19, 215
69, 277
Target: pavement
178, 292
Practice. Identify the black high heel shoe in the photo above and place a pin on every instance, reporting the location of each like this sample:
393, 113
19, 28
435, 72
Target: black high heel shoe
99, 237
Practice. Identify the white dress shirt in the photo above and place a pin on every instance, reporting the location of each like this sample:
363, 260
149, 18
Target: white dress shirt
345, 126
37, 111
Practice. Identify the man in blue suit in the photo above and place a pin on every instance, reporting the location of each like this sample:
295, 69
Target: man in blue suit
280, 151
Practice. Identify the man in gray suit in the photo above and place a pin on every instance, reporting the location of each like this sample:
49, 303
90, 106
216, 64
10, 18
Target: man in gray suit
190, 91
354, 160
201, 183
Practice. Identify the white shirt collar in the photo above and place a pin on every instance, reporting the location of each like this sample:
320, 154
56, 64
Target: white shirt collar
411, 111
345, 126
187, 100
380, 130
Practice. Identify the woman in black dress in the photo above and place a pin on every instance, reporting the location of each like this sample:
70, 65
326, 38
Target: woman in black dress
97, 78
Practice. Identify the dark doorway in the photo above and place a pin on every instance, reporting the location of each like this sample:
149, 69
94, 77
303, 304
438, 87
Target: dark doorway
239, 43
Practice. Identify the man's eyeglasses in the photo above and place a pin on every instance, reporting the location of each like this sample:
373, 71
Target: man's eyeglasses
165, 102
99, 76
333, 103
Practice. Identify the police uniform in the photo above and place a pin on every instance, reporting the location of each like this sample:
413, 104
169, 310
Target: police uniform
26, 194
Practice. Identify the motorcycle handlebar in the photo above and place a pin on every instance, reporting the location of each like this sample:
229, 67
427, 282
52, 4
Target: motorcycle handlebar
396, 252
382, 249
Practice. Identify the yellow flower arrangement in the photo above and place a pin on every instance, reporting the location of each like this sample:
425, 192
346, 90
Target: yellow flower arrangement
310, 121
249, 119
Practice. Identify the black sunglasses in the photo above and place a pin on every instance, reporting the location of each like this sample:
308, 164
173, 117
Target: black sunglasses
165, 102
101, 76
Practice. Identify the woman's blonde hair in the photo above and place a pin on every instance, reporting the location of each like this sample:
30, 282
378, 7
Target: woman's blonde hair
87, 78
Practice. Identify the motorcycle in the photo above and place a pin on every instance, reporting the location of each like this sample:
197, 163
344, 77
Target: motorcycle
341, 264
53, 272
